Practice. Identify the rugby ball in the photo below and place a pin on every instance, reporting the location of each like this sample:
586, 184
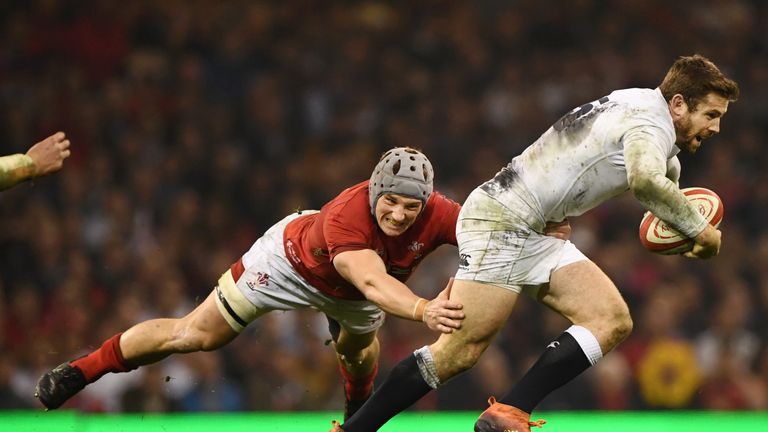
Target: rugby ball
657, 236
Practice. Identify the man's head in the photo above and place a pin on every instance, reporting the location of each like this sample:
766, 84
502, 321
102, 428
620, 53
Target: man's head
401, 184
698, 95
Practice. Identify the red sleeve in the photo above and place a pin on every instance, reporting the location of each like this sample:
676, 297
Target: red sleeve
449, 214
345, 229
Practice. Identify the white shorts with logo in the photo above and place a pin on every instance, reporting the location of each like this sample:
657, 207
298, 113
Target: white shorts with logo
270, 282
503, 243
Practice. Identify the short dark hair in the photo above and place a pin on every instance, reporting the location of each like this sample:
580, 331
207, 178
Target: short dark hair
694, 77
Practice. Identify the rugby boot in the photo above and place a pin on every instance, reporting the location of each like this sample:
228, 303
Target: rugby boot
58, 385
336, 427
500, 417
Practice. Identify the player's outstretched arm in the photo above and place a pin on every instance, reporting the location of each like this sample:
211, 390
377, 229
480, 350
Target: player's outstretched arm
365, 269
42, 158
49, 154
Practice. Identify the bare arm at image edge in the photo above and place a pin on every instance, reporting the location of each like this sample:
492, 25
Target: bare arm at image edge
43, 158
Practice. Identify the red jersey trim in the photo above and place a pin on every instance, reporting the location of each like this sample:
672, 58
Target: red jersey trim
237, 269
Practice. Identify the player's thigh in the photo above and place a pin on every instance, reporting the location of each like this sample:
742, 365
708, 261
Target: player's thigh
486, 309
207, 324
583, 293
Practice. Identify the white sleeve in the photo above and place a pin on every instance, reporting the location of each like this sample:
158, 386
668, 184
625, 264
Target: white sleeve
673, 170
14, 169
647, 170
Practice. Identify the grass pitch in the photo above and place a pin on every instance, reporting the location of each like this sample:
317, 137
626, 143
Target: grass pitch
591, 421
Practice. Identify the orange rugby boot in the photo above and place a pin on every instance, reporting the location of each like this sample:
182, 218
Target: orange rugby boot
500, 417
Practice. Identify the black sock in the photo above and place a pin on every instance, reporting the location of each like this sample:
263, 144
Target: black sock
401, 389
562, 361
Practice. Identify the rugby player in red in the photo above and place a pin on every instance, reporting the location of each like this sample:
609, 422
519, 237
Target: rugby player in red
350, 261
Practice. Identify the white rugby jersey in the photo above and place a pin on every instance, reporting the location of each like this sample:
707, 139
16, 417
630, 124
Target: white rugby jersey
579, 162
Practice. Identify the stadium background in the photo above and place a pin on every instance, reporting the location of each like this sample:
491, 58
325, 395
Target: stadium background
197, 124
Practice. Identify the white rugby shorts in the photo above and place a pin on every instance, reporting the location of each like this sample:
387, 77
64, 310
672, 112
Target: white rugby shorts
503, 243
270, 283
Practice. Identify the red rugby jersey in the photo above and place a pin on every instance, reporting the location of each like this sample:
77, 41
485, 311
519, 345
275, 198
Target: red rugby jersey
346, 224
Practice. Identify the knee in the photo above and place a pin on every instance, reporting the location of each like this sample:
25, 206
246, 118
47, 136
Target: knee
620, 326
460, 358
356, 348
468, 358
188, 337
182, 339
209, 343
358, 354
609, 325
623, 326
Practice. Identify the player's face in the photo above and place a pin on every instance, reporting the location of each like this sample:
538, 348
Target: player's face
396, 213
692, 127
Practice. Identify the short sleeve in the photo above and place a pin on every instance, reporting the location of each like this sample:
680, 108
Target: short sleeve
448, 213
345, 229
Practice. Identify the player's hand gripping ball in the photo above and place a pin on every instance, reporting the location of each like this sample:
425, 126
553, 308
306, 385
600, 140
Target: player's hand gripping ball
661, 238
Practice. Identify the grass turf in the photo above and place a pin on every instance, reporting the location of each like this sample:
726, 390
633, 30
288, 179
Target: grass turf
69, 421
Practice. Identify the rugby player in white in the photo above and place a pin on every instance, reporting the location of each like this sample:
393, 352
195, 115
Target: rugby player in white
626, 141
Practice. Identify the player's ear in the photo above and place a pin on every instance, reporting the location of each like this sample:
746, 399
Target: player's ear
677, 106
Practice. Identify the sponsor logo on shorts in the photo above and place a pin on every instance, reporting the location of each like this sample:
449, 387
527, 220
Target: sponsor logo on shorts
292, 252
464, 261
262, 279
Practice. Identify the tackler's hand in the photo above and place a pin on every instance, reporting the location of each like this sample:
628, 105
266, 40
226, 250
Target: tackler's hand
442, 314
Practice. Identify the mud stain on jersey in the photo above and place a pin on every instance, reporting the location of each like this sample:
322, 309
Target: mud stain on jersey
578, 199
501, 182
577, 124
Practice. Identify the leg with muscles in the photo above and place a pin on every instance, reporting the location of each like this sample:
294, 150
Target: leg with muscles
486, 309
358, 356
203, 329
582, 293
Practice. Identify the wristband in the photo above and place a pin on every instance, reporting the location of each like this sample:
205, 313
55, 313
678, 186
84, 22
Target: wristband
418, 309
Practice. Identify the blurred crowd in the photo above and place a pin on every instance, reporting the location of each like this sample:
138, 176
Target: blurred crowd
197, 124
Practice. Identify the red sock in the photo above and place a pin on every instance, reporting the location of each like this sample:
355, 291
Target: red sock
358, 388
108, 358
